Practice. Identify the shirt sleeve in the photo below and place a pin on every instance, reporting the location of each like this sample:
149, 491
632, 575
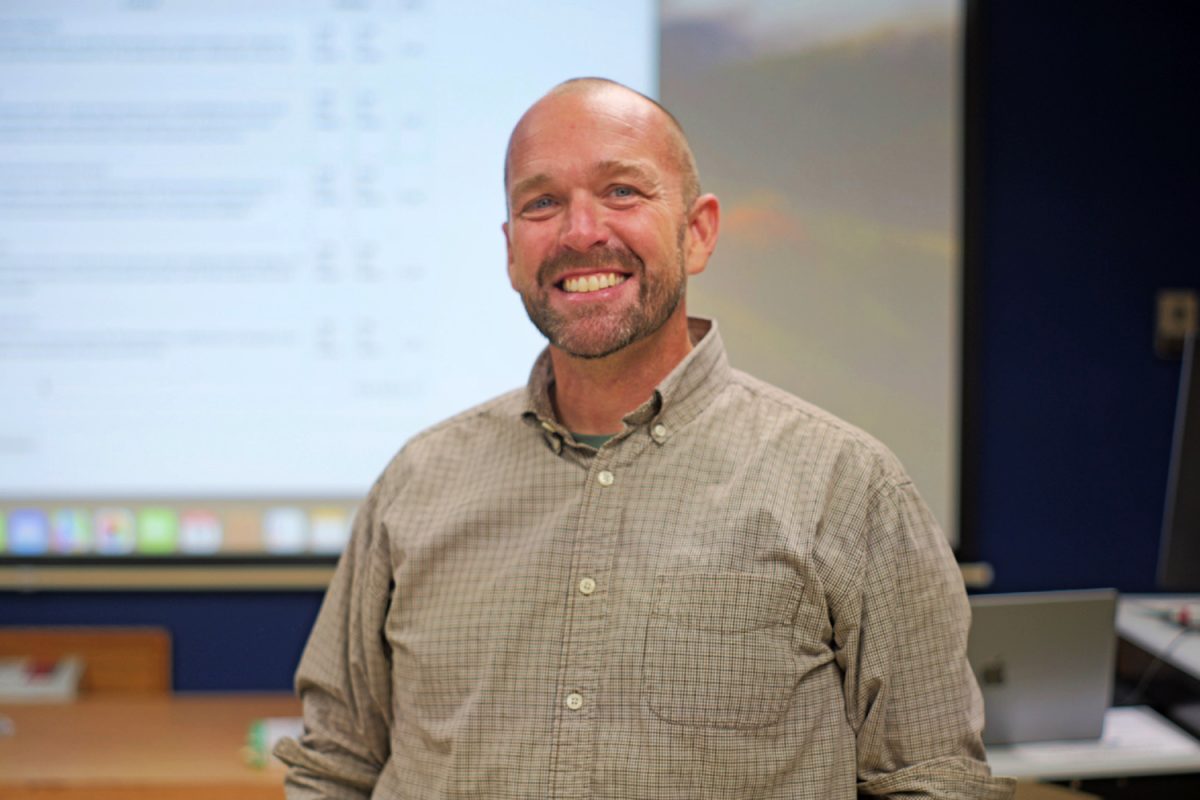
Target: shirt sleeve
344, 677
900, 628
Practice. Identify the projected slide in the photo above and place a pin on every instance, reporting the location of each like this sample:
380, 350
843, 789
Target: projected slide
246, 253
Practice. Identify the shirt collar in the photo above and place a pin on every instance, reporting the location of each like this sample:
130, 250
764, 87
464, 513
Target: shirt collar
685, 392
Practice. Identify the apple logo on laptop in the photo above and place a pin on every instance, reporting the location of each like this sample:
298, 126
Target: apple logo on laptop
992, 672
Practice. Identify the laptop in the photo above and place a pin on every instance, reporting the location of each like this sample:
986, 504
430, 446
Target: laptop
1045, 662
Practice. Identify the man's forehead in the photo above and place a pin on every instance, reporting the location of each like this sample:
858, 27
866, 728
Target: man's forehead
549, 125
586, 102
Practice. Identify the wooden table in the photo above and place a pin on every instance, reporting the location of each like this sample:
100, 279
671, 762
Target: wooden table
181, 747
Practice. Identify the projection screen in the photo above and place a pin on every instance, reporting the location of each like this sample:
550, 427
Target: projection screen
248, 249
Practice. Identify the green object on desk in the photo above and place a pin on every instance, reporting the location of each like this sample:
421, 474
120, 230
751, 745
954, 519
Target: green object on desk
263, 734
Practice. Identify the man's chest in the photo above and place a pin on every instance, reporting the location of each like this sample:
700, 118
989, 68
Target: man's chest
690, 593
569, 617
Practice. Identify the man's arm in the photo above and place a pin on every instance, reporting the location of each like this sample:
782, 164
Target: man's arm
344, 678
901, 628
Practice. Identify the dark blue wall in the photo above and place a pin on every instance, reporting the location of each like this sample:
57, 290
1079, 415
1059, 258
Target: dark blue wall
226, 641
1089, 205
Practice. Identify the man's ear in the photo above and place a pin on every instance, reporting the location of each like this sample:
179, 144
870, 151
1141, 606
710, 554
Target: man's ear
703, 222
509, 254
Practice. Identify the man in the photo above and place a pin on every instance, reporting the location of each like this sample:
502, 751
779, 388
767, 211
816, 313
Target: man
646, 575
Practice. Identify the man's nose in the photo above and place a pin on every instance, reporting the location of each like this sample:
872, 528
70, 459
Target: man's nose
584, 226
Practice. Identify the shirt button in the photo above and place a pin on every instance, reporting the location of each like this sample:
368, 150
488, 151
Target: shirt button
605, 478
574, 701
659, 433
587, 586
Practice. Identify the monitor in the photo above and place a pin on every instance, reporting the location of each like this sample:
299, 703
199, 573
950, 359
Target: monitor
1179, 556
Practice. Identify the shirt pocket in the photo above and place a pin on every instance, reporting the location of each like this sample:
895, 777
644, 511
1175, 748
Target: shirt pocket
719, 649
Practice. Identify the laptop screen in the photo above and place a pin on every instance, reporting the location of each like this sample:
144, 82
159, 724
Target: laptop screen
1045, 663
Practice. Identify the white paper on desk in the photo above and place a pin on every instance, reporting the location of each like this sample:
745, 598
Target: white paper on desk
27, 680
1127, 731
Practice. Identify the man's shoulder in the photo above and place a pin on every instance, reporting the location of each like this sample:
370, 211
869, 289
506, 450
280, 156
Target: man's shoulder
465, 435
801, 422
502, 411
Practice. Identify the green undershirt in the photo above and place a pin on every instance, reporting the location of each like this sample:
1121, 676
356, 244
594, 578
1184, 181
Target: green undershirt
595, 440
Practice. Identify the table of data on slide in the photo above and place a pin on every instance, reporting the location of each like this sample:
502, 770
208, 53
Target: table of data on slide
248, 249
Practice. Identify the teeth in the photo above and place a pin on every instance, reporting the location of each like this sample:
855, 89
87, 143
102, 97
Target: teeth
593, 283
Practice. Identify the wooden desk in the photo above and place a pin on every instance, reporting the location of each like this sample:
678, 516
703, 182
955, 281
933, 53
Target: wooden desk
182, 747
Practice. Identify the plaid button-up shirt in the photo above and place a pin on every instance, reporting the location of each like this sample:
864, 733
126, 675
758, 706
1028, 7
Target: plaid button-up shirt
738, 596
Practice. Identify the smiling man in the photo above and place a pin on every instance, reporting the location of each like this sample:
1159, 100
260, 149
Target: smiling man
605, 225
646, 574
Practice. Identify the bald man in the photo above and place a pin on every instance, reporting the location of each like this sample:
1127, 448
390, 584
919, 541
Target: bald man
645, 574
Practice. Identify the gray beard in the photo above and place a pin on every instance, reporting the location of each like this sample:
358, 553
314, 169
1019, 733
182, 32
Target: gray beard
656, 304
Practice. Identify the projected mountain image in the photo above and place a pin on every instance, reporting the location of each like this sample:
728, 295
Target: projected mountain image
836, 272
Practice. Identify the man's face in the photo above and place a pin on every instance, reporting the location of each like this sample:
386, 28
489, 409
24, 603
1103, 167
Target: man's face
597, 225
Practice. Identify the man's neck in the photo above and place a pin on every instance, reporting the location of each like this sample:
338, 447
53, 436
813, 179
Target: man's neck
593, 395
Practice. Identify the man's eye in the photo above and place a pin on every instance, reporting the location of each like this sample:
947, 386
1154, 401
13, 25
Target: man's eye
540, 204
623, 192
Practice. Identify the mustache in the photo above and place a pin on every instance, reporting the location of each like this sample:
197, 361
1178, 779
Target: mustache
552, 269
